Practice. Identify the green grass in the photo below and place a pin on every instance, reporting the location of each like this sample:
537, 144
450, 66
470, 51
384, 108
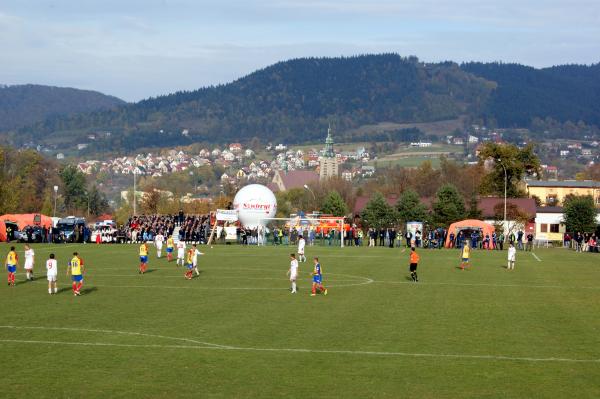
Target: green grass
481, 333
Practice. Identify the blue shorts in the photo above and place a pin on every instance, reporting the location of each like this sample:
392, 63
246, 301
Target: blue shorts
317, 279
169, 249
190, 266
466, 260
144, 259
12, 268
77, 277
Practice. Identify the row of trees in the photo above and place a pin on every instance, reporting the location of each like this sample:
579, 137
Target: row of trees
27, 182
447, 207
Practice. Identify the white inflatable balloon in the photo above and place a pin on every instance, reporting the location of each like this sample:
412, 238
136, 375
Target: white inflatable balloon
254, 203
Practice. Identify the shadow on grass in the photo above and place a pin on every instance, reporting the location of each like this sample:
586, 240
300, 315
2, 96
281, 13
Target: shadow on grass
88, 290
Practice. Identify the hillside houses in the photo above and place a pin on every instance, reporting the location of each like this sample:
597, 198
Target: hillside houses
239, 163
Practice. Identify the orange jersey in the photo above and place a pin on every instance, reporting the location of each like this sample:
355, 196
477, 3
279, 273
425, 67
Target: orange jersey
414, 257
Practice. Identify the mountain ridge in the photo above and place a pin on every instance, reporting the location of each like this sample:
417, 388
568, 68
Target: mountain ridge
294, 101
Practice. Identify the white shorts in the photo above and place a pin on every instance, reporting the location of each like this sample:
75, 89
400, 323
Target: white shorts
52, 277
28, 265
180, 254
159, 246
293, 277
511, 259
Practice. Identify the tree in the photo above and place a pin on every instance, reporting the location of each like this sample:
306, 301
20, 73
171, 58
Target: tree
515, 214
474, 212
97, 202
519, 164
410, 208
334, 205
74, 192
378, 213
448, 206
151, 201
580, 214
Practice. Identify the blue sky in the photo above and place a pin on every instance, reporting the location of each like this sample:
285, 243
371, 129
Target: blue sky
139, 48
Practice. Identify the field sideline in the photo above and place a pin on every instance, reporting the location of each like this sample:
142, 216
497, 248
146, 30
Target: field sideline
236, 331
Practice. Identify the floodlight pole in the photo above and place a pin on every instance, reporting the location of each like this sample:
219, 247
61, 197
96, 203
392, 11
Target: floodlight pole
134, 199
55, 195
505, 189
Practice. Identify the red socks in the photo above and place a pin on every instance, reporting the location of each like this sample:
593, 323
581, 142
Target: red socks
74, 287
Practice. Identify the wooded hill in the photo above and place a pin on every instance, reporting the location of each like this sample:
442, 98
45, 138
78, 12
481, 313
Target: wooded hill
294, 101
24, 105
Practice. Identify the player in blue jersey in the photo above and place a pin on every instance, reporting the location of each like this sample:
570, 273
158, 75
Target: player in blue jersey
317, 279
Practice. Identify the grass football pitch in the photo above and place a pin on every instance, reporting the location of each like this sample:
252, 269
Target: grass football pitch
237, 332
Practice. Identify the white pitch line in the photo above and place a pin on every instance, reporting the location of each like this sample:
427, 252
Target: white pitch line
318, 351
536, 257
113, 332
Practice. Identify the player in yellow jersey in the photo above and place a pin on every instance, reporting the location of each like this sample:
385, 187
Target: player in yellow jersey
170, 246
12, 259
466, 253
76, 269
189, 273
143, 258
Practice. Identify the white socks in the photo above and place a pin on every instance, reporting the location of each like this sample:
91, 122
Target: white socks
293, 287
196, 270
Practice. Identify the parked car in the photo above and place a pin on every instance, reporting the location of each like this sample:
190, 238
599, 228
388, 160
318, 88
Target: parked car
29, 234
66, 228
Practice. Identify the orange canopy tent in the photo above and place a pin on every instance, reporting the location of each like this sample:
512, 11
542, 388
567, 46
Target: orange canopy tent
469, 224
22, 220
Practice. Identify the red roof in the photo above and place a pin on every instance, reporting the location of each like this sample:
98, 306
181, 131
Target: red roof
298, 178
362, 201
487, 205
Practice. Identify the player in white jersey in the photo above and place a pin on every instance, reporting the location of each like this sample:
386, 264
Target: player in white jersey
181, 253
158, 242
512, 254
301, 245
29, 261
195, 258
52, 273
293, 272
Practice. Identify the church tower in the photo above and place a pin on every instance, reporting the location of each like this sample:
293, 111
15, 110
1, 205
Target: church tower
328, 164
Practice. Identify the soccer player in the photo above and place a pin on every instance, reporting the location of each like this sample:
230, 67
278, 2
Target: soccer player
195, 254
190, 264
414, 262
466, 253
76, 269
301, 245
29, 260
12, 261
181, 252
52, 274
170, 245
317, 279
512, 254
158, 242
143, 258
293, 272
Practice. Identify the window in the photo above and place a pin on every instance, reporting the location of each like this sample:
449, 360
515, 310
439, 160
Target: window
544, 228
552, 200
554, 228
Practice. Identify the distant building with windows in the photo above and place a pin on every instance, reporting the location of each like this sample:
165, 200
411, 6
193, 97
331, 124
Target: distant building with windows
553, 193
328, 163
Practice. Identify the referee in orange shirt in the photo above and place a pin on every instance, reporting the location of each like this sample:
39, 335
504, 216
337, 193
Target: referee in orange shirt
414, 261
